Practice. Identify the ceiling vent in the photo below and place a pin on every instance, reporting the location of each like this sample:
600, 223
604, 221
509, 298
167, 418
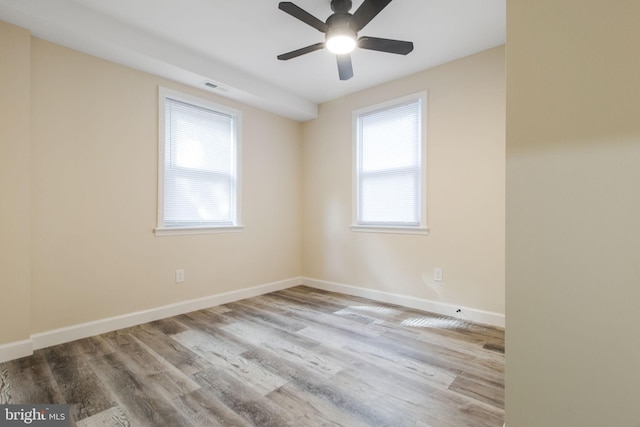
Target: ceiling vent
215, 86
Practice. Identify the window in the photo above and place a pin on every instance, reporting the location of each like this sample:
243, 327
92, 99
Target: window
198, 173
390, 178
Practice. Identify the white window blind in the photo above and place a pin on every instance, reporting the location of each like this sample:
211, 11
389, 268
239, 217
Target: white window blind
389, 165
200, 166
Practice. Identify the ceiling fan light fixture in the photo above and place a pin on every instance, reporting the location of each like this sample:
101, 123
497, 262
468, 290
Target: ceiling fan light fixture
341, 44
341, 32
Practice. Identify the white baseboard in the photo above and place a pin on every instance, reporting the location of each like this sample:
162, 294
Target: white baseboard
24, 348
15, 350
445, 309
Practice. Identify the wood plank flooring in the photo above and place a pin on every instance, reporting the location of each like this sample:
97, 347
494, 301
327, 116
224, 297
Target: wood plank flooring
298, 357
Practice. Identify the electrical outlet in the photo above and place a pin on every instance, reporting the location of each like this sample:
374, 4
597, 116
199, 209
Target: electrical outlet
180, 276
437, 274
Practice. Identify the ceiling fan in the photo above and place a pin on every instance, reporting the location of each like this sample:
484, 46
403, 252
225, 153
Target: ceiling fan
341, 32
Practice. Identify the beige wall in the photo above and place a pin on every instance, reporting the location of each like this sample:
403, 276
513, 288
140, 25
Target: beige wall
94, 195
573, 209
465, 163
15, 182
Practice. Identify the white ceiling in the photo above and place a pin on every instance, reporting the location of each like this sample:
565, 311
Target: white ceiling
234, 43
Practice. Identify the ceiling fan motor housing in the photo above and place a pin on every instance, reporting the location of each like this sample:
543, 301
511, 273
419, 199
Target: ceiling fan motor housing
341, 6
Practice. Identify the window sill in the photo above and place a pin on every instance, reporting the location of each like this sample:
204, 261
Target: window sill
197, 230
389, 229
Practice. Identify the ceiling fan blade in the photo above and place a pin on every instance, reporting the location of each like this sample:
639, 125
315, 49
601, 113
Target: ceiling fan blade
345, 70
301, 51
303, 15
385, 45
367, 11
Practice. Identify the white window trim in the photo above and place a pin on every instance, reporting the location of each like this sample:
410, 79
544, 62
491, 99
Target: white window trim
160, 230
421, 228
196, 230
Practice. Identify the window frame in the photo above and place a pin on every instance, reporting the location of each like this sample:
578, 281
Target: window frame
421, 227
162, 230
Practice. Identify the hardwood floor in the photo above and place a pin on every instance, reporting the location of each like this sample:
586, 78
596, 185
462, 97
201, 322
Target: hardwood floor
298, 357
